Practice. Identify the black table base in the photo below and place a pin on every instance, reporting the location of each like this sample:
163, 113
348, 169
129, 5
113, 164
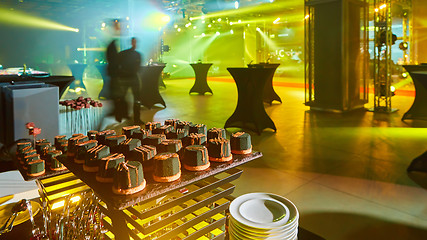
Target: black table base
418, 110
150, 94
200, 84
250, 113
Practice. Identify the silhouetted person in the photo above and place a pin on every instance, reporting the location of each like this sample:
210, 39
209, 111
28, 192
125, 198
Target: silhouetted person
112, 56
130, 62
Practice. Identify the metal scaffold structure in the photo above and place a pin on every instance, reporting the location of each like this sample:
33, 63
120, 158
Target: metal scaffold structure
383, 39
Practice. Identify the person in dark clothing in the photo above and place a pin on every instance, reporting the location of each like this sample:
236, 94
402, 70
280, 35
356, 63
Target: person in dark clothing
129, 65
112, 56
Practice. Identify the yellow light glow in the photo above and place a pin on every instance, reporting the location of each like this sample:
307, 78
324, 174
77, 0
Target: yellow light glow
276, 21
21, 19
194, 27
392, 89
219, 19
258, 29
57, 205
179, 29
209, 25
175, 26
231, 31
103, 24
217, 33
307, 16
166, 19
383, 6
203, 34
231, 23
376, 9
75, 199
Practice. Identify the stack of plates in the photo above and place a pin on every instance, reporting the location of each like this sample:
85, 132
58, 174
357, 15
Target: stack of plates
257, 216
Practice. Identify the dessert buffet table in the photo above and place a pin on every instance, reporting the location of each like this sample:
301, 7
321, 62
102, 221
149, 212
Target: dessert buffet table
150, 94
201, 85
418, 109
250, 113
269, 94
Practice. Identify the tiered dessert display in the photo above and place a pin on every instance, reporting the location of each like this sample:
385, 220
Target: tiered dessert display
169, 181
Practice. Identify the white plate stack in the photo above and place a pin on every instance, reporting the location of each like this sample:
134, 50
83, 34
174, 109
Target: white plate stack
256, 216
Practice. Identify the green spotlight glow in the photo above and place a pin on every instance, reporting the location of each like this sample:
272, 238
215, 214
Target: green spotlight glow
21, 19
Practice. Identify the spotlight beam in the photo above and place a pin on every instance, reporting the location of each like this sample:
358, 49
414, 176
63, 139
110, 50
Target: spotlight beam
21, 19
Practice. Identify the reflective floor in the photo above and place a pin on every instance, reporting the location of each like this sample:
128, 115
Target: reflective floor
346, 173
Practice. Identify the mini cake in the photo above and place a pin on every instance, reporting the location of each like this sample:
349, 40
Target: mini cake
172, 122
141, 134
30, 151
21, 149
183, 124
240, 143
129, 145
165, 129
72, 144
63, 146
35, 168
52, 159
152, 125
22, 145
216, 133
177, 133
128, 178
170, 145
167, 167
107, 167
101, 136
29, 158
40, 147
154, 139
194, 139
92, 134
219, 150
144, 154
41, 141
59, 139
94, 156
82, 149
198, 128
114, 142
196, 158
130, 130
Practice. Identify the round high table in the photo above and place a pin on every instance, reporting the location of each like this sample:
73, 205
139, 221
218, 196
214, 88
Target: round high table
77, 70
269, 94
150, 94
105, 91
200, 84
250, 113
418, 109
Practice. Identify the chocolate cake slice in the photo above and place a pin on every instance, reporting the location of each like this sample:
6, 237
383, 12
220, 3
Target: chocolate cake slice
59, 139
145, 155
152, 125
72, 144
128, 131
101, 136
167, 167
141, 134
114, 142
128, 178
196, 158
194, 139
172, 122
129, 145
198, 128
183, 125
170, 145
154, 139
165, 129
177, 133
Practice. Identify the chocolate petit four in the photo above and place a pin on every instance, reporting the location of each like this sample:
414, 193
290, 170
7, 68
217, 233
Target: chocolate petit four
63, 146
128, 178
198, 128
152, 125
170, 145
172, 122
91, 134
194, 139
141, 134
101, 136
167, 167
21, 149
94, 156
30, 158
40, 147
154, 139
183, 124
177, 133
165, 129
219, 150
28, 151
114, 142
35, 167
129, 145
240, 143
52, 160
82, 150
144, 154
72, 144
216, 133
59, 139
21, 145
196, 158
128, 131
107, 167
